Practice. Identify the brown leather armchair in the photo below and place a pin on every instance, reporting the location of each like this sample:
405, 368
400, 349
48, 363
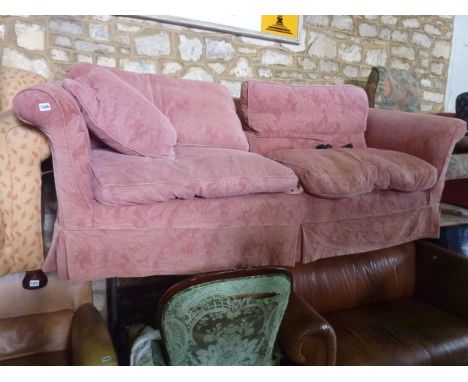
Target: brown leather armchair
405, 305
55, 325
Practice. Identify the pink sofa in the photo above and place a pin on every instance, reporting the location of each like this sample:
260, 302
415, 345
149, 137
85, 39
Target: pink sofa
106, 227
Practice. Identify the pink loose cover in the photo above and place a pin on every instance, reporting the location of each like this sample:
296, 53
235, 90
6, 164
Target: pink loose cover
94, 241
344, 173
288, 116
121, 117
202, 113
195, 172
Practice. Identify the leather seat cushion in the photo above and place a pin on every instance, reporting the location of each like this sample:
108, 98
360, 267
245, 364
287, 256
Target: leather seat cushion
400, 332
56, 358
205, 172
341, 172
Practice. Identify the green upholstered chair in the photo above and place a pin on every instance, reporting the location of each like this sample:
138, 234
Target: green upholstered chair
220, 318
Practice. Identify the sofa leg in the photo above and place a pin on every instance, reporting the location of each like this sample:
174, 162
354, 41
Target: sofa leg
34, 280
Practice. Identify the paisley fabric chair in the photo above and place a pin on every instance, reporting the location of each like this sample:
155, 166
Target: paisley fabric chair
22, 149
393, 89
220, 318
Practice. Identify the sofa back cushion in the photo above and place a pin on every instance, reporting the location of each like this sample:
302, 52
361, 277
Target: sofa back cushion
202, 113
195, 172
121, 117
291, 116
346, 282
344, 172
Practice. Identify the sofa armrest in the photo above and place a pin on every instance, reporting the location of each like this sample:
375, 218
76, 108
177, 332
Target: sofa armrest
54, 111
429, 137
91, 344
442, 278
305, 337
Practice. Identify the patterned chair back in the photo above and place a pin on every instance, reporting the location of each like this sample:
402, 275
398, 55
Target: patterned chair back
225, 318
393, 89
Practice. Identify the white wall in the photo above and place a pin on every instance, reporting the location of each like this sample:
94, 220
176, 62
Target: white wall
458, 68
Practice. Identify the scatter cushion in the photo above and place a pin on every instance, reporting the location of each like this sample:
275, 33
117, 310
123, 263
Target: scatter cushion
341, 173
203, 113
323, 113
194, 172
121, 117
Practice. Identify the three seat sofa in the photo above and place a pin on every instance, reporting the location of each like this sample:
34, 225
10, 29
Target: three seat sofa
155, 175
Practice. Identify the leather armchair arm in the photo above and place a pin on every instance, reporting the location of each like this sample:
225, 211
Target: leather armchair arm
91, 344
305, 337
442, 278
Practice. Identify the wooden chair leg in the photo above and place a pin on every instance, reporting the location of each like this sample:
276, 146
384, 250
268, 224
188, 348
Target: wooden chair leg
34, 280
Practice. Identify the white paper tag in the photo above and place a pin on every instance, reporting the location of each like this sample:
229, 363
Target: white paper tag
33, 283
106, 358
44, 106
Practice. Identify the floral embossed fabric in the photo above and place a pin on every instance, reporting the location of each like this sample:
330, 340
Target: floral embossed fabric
202, 113
226, 322
121, 117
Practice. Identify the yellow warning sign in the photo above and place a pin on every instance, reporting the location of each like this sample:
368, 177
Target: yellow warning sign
283, 25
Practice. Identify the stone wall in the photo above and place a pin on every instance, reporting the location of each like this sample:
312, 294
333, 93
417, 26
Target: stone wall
333, 49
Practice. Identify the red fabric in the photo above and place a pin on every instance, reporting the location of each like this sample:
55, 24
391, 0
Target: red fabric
121, 117
194, 172
209, 115
317, 114
341, 173
93, 241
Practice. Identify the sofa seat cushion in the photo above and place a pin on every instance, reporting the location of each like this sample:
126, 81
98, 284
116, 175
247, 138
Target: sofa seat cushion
340, 173
399, 332
122, 117
195, 172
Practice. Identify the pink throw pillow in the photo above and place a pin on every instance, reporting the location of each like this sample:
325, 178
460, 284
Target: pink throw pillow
121, 117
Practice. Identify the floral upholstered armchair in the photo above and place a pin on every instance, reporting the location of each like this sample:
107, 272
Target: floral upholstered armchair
220, 318
22, 149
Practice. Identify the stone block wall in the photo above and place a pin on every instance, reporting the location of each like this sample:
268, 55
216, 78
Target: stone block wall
333, 49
